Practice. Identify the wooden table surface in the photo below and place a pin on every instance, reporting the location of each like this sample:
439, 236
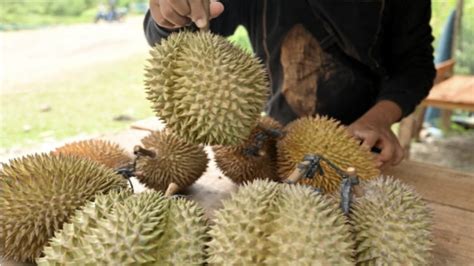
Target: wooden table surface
456, 92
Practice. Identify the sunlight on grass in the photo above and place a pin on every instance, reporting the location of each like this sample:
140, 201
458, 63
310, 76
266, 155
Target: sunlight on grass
83, 102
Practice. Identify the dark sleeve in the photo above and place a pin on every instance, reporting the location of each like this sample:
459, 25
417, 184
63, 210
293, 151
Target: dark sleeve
410, 56
224, 25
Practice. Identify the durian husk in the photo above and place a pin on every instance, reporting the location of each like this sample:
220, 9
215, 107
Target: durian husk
175, 162
60, 250
101, 151
391, 225
239, 166
144, 229
266, 223
207, 90
38, 195
323, 136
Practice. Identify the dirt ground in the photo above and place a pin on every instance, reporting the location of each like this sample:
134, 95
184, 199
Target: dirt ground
37, 55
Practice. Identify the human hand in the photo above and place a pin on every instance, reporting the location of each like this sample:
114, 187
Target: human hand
174, 14
374, 130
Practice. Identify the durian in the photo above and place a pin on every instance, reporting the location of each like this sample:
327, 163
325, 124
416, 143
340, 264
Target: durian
267, 223
391, 225
255, 158
146, 228
101, 151
325, 137
206, 89
175, 161
59, 250
39, 193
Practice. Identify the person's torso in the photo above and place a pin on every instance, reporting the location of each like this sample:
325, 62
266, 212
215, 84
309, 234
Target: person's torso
309, 73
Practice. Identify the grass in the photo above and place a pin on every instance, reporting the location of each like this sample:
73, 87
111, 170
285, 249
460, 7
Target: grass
82, 102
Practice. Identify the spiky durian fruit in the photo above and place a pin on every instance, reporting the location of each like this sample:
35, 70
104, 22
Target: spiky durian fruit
326, 137
391, 224
206, 89
145, 229
39, 193
175, 162
101, 151
255, 158
59, 251
266, 223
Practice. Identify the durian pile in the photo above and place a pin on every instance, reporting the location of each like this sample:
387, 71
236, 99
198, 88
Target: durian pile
74, 206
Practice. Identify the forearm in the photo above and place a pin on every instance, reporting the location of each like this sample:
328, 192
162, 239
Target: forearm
384, 113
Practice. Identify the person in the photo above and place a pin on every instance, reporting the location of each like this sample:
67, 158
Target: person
365, 63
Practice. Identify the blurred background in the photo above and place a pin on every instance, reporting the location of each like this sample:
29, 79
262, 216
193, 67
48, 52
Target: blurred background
74, 69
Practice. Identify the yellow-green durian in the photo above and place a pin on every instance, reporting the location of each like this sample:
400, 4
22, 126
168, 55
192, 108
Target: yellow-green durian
175, 162
39, 193
239, 164
59, 251
144, 229
206, 89
391, 225
101, 151
266, 223
326, 137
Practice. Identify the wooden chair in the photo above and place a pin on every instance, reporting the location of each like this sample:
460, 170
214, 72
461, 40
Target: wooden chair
411, 125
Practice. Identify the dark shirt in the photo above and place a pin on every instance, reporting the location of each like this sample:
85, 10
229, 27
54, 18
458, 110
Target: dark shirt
362, 52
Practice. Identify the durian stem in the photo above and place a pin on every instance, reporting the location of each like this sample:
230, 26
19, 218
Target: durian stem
172, 189
356, 189
296, 175
139, 150
142, 128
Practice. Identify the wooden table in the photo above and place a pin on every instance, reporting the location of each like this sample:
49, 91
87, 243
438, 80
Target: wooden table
456, 92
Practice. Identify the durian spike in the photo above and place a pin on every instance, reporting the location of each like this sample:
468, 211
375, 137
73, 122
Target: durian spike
139, 150
297, 174
172, 189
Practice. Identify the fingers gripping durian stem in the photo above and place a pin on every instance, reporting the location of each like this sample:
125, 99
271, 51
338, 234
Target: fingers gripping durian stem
172, 189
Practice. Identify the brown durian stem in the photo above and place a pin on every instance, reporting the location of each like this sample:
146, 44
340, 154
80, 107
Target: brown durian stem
296, 175
356, 189
172, 189
139, 150
141, 128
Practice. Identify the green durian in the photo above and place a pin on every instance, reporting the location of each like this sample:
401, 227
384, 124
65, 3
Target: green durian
175, 162
104, 152
326, 137
206, 89
144, 229
237, 162
267, 223
39, 193
391, 225
59, 250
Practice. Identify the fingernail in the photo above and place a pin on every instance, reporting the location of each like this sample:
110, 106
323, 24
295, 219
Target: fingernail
201, 23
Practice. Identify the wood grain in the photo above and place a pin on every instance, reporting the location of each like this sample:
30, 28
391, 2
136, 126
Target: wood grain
436, 184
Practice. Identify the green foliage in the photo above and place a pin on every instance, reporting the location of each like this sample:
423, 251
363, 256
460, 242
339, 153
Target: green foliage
241, 38
465, 42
